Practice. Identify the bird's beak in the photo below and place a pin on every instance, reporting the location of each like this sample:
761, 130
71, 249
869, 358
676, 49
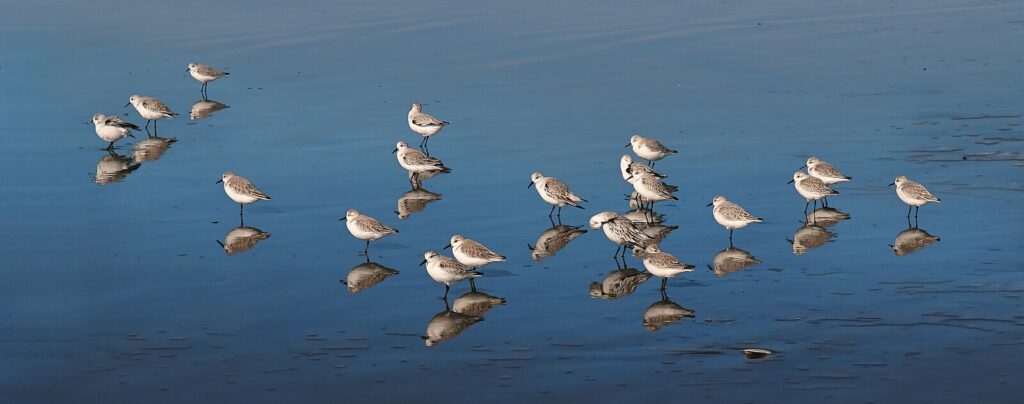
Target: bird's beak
528, 186
802, 167
126, 105
394, 151
447, 246
88, 122
219, 181
712, 203
630, 177
424, 262
790, 181
627, 145
342, 218
529, 246
187, 69
219, 243
892, 184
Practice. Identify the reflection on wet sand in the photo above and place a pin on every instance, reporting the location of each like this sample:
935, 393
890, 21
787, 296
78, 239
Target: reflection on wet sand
366, 275
447, 324
242, 239
664, 312
553, 240
152, 148
475, 303
809, 237
203, 109
415, 201
619, 283
731, 260
911, 240
113, 167
826, 217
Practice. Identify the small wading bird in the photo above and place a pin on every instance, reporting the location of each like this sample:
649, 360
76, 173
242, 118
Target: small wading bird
241, 190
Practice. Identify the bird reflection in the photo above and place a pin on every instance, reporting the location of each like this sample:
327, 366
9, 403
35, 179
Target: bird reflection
415, 201
416, 179
553, 240
367, 275
152, 148
113, 168
826, 217
809, 237
619, 283
911, 240
202, 109
664, 312
447, 324
242, 239
644, 216
731, 260
475, 303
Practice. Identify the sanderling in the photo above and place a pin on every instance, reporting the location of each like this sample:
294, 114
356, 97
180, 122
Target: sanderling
808, 237
416, 162
554, 240
366, 228
664, 312
913, 194
475, 303
204, 74
650, 188
446, 325
150, 108
151, 148
620, 231
554, 191
424, 124
649, 149
241, 190
204, 108
415, 201
811, 188
730, 215
113, 168
628, 167
472, 253
662, 264
911, 240
112, 128
366, 275
619, 283
824, 171
242, 239
447, 270
730, 260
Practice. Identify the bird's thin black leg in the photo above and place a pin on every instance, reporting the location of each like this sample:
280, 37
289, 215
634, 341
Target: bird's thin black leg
472, 284
552, 212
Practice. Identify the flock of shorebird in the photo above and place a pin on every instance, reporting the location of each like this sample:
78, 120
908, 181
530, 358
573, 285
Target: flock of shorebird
470, 255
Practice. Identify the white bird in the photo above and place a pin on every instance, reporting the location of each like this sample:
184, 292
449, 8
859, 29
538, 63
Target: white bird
240, 190
662, 264
650, 188
810, 188
628, 167
150, 108
554, 192
424, 124
205, 74
416, 162
620, 231
913, 194
366, 228
448, 271
825, 172
730, 215
112, 128
649, 149
472, 253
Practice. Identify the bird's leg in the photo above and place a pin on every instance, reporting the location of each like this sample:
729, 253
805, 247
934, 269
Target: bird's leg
730, 237
110, 147
559, 214
446, 287
552, 212
366, 250
472, 284
617, 247
824, 202
909, 208
147, 125
663, 282
806, 204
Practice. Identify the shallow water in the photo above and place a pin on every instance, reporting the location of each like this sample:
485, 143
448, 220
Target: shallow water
114, 287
